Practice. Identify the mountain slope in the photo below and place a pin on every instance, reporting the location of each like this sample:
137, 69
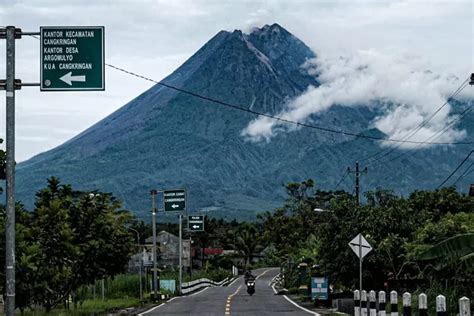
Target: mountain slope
166, 139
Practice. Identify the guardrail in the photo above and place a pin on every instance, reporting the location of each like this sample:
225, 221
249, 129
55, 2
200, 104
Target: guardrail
198, 284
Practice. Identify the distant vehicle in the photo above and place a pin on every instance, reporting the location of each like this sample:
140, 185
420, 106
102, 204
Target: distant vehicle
251, 286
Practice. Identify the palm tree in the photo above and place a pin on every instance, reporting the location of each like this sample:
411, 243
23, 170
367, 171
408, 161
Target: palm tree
247, 242
451, 250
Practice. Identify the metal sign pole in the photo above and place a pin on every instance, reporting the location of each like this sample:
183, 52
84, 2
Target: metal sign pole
360, 263
153, 220
10, 174
180, 252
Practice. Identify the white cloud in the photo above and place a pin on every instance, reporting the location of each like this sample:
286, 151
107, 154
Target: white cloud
401, 83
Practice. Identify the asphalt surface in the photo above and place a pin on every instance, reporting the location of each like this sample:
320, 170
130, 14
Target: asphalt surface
232, 300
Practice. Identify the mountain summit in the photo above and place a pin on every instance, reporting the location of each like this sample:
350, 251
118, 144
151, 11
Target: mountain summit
164, 139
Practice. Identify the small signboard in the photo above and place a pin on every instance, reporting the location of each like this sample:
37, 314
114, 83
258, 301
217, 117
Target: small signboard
319, 288
174, 200
360, 246
72, 58
196, 223
169, 285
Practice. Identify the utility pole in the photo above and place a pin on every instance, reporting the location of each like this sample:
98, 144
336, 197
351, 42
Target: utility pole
357, 180
153, 194
10, 174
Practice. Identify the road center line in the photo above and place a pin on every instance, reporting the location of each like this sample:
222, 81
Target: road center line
229, 300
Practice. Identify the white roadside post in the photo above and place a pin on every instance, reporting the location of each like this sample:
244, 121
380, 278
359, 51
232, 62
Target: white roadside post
422, 305
356, 303
393, 303
363, 303
406, 304
372, 303
464, 307
382, 303
441, 305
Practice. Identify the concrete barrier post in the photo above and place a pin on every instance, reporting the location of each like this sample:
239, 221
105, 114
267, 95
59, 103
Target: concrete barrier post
382, 303
393, 303
356, 303
406, 304
422, 305
363, 303
372, 303
441, 306
464, 306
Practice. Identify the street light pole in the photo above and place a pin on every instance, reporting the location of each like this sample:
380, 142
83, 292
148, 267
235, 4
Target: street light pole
153, 194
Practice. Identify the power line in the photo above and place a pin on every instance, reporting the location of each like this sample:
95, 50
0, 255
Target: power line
419, 126
345, 174
437, 135
455, 170
465, 173
244, 109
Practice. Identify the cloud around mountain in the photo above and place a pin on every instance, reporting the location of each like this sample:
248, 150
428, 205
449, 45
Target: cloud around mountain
400, 84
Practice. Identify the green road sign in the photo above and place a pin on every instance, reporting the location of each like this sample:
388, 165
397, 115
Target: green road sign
72, 58
174, 200
196, 223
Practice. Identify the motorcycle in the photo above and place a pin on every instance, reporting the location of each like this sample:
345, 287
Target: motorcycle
250, 286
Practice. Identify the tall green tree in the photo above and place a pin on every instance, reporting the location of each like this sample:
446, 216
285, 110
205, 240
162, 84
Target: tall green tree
247, 242
70, 239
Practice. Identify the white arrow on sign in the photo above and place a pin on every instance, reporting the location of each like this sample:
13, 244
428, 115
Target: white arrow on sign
195, 226
69, 78
174, 205
356, 243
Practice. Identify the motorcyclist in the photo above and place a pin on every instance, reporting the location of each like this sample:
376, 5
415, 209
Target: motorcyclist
250, 282
248, 275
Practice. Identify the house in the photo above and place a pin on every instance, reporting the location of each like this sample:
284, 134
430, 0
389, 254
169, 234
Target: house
167, 251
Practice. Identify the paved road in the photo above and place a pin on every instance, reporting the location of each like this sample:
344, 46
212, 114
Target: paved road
233, 300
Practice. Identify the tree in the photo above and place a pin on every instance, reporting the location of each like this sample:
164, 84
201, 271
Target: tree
452, 250
72, 239
247, 242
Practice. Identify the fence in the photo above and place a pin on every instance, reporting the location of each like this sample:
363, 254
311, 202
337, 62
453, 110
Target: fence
361, 308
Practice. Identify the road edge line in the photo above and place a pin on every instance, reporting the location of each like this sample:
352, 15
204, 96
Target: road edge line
199, 292
300, 307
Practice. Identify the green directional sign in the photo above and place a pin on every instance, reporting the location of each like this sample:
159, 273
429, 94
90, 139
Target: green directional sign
174, 200
196, 223
72, 58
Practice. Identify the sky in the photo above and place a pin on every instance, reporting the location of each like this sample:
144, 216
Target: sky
153, 38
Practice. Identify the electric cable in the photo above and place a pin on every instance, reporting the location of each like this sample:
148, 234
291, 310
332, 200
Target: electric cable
244, 109
455, 170
465, 173
419, 126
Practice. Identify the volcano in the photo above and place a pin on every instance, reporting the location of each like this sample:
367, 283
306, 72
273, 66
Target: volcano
165, 139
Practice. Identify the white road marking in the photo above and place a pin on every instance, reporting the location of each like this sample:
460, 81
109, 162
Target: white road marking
300, 307
199, 292
233, 281
153, 308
